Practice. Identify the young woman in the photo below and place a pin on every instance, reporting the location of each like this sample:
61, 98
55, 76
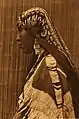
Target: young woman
51, 88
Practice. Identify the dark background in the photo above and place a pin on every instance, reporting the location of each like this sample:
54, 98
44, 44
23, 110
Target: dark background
13, 62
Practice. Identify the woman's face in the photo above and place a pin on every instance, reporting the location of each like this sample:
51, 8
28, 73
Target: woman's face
27, 40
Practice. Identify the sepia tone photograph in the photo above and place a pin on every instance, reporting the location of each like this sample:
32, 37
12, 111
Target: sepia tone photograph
39, 59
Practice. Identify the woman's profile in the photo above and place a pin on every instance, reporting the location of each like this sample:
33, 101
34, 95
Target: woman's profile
51, 88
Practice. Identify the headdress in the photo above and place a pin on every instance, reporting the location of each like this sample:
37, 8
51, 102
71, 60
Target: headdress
48, 37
